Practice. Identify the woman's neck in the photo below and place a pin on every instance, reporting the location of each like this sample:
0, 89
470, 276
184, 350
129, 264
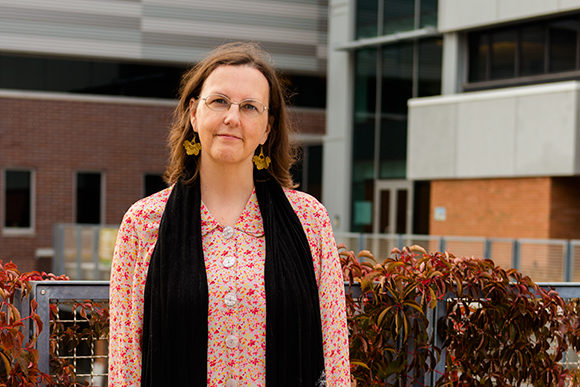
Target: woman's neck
225, 191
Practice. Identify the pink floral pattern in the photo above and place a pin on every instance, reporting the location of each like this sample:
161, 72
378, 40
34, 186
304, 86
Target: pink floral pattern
237, 300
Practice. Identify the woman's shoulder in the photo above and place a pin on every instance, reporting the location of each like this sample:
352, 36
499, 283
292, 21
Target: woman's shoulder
149, 208
305, 204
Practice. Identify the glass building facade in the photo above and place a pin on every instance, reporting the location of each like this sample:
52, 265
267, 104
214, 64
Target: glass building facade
386, 76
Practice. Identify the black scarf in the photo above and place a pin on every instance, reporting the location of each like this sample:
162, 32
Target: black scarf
176, 296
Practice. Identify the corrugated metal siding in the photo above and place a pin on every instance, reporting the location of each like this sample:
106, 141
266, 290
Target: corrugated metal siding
177, 31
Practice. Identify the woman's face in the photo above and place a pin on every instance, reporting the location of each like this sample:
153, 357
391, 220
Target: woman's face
230, 137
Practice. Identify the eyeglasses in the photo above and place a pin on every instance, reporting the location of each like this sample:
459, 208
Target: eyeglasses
221, 103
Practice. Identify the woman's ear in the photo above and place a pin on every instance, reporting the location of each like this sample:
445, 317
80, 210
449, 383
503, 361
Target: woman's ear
192, 112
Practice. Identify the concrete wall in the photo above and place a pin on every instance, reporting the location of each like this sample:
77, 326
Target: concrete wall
178, 31
513, 132
465, 14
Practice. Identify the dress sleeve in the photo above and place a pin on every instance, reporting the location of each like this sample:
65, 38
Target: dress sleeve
124, 346
332, 307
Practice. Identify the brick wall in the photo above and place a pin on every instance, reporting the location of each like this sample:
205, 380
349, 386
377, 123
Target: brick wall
511, 208
57, 135
57, 138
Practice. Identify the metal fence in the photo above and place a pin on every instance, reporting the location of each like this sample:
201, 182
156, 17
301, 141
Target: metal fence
84, 252
543, 260
92, 362
89, 358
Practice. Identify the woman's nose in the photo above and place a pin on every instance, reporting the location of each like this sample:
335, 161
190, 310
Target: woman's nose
233, 114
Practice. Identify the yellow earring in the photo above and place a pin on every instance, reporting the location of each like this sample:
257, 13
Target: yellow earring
192, 147
261, 161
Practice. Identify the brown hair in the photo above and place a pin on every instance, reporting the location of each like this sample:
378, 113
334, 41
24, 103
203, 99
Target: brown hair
278, 146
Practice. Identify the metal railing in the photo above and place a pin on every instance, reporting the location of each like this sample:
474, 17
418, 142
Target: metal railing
90, 360
84, 252
65, 294
544, 260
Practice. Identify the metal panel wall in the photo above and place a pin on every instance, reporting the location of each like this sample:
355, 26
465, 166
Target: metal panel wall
175, 31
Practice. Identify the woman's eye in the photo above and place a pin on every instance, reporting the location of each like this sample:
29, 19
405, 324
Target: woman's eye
219, 101
249, 106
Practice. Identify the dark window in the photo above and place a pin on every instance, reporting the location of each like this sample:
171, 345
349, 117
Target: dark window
18, 199
503, 54
89, 76
153, 184
530, 49
307, 91
430, 60
125, 79
367, 18
308, 172
88, 198
563, 45
398, 15
429, 13
478, 57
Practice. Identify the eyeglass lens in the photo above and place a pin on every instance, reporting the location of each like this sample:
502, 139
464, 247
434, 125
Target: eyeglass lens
221, 103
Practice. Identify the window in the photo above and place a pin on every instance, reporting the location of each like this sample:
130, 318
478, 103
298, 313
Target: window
18, 200
89, 76
89, 196
308, 173
529, 50
153, 183
384, 17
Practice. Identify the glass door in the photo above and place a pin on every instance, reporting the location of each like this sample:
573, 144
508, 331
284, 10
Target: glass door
393, 207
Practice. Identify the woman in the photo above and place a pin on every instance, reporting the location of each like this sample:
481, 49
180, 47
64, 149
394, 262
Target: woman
229, 277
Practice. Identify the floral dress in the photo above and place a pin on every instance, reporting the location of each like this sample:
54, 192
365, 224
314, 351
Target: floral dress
234, 261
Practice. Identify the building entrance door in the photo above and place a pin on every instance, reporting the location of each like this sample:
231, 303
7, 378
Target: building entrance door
393, 207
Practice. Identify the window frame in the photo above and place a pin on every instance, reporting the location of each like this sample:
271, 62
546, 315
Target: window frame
102, 220
19, 231
517, 80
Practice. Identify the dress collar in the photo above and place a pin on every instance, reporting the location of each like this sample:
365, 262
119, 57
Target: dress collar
250, 221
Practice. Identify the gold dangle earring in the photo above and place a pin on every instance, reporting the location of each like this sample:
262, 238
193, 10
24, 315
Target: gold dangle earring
261, 161
192, 147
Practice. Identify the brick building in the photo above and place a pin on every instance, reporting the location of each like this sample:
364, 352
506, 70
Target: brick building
87, 91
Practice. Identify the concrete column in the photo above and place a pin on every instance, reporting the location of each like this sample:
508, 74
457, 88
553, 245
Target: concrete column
337, 152
453, 69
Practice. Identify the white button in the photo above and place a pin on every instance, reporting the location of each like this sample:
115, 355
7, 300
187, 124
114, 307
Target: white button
231, 383
229, 261
228, 232
232, 341
231, 299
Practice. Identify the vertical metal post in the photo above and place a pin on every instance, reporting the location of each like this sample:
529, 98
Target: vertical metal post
442, 244
58, 258
568, 262
516, 254
79, 251
42, 295
96, 276
487, 249
400, 243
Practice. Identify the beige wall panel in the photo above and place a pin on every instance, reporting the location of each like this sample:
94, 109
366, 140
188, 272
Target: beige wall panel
485, 138
517, 132
456, 15
432, 141
546, 134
